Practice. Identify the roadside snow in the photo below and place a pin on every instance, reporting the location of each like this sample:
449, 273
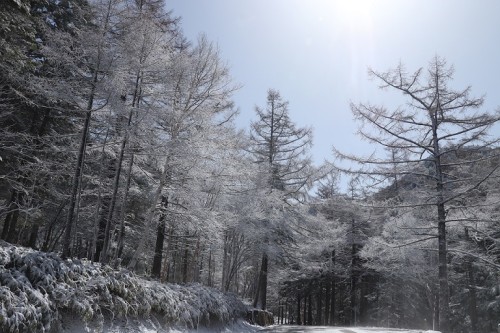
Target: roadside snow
150, 326
40, 292
239, 327
325, 329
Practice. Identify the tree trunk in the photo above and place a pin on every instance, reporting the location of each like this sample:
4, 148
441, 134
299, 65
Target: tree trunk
340, 295
66, 252
160, 237
209, 275
472, 296
279, 312
185, 261
149, 217
435, 322
11, 235
261, 293
48, 233
10, 210
309, 310
444, 293
33, 235
195, 274
333, 301
319, 305
304, 322
123, 213
6, 225
10, 222
101, 228
173, 268
165, 270
299, 322
364, 282
354, 286
225, 259
116, 184
327, 301
333, 291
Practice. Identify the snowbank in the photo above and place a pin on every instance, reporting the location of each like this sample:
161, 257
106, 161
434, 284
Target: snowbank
40, 292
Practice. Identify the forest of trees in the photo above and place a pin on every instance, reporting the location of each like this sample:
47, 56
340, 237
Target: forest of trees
118, 144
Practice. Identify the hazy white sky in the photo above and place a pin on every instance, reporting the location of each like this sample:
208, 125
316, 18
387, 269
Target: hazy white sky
317, 52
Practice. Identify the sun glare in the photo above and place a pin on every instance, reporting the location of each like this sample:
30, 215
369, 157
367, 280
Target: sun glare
351, 13
356, 13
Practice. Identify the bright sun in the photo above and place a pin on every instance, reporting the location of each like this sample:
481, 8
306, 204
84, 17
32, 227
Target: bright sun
354, 14
357, 13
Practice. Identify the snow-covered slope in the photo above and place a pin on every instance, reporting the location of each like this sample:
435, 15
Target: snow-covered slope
40, 292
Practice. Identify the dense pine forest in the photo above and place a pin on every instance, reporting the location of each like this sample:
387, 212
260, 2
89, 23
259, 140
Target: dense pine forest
119, 146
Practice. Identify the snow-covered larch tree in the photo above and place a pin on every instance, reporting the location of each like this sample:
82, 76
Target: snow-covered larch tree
195, 103
436, 124
281, 149
96, 51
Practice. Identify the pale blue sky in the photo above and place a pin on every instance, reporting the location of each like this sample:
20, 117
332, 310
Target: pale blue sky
317, 52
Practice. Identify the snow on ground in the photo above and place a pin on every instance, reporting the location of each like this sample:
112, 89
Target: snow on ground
324, 329
73, 325
40, 292
149, 326
244, 327
239, 327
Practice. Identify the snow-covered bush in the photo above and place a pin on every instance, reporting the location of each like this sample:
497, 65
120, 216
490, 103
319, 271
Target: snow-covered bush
37, 288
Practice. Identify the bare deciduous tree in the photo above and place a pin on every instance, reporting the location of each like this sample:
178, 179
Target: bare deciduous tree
435, 125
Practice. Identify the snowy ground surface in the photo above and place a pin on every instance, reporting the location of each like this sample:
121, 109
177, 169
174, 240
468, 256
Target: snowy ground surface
40, 292
321, 329
243, 327
149, 326
237, 327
